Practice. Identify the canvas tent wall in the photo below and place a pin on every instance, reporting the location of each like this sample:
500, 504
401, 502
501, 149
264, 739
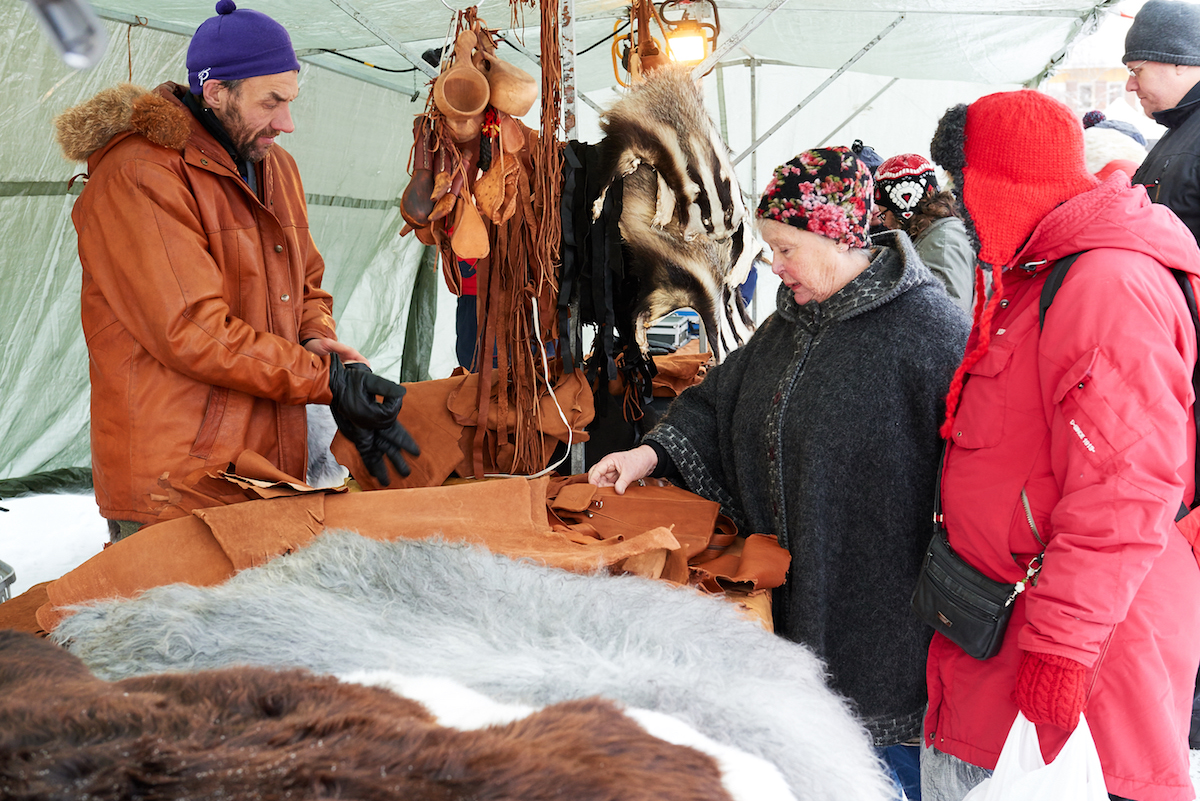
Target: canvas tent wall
354, 132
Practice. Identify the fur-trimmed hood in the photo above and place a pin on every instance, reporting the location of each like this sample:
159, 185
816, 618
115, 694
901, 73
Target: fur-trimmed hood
83, 130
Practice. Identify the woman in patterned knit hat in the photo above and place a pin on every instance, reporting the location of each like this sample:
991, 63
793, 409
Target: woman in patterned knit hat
822, 431
906, 191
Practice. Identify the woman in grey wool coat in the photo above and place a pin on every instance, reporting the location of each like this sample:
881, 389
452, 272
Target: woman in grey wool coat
823, 431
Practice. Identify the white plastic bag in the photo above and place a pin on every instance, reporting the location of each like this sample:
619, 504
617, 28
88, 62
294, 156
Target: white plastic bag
1022, 775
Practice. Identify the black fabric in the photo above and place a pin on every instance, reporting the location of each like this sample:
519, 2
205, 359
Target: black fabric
1171, 170
823, 430
68, 480
214, 127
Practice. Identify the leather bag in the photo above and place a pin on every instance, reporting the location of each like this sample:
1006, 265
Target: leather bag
961, 603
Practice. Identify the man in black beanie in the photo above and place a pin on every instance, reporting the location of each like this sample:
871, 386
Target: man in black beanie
1162, 54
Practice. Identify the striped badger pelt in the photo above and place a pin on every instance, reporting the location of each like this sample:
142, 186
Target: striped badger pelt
666, 271
662, 122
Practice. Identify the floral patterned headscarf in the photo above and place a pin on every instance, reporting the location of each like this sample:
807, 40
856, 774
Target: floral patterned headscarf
827, 191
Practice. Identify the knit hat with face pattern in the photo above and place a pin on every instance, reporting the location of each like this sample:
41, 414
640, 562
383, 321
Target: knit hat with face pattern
826, 191
1013, 157
902, 182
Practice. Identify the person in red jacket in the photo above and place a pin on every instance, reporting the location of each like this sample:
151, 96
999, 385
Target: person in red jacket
1078, 438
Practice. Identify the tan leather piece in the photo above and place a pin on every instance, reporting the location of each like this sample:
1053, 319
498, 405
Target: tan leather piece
506, 516
20, 611
756, 562
181, 550
426, 418
678, 371
251, 538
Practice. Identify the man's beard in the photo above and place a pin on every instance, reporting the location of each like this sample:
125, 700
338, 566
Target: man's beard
244, 141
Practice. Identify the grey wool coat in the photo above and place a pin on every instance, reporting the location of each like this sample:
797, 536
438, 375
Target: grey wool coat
822, 430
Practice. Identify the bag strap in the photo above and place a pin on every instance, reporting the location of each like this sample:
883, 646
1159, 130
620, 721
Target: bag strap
1054, 281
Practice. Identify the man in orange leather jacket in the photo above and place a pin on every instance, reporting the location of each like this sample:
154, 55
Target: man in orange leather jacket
206, 325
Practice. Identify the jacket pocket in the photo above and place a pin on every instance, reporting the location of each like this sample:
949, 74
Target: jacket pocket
980, 423
206, 437
1098, 408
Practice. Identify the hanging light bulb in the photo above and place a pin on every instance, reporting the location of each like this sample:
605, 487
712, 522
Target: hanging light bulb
687, 41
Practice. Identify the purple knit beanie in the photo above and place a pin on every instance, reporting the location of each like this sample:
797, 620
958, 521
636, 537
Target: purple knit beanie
238, 43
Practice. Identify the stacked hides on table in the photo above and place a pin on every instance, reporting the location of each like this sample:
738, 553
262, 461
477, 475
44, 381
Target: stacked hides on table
512, 630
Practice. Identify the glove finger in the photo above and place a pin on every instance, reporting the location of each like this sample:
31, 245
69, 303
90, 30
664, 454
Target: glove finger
378, 385
397, 436
373, 460
396, 457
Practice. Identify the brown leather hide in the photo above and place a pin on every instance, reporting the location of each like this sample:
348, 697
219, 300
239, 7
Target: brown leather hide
252, 733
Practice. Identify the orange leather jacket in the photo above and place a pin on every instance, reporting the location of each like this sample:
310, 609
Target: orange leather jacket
196, 296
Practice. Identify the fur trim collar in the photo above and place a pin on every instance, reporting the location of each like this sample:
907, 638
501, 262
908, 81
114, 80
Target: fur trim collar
84, 129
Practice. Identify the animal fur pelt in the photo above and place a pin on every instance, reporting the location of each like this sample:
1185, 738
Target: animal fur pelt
323, 469
84, 129
744, 776
663, 123
255, 733
514, 631
671, 271
689, 239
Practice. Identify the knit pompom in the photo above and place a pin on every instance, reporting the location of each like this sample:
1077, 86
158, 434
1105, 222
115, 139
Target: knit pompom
946, 147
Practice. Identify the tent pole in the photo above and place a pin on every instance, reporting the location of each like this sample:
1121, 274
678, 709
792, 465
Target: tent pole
819, 89
753, 159
404, 50
857, 111
733, 41
566, 55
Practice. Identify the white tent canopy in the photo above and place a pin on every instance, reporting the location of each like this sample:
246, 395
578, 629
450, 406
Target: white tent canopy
353, 136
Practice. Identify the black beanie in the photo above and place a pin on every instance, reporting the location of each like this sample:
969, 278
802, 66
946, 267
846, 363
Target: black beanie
1166, 31
867, 155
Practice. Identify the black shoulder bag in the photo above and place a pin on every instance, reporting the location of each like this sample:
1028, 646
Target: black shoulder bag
966, 606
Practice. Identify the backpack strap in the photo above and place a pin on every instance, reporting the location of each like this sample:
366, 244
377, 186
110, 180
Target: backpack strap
1054, 281
1057, 273
1189, 295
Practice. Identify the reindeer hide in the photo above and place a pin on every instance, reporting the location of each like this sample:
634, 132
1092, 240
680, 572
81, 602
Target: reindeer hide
514, 631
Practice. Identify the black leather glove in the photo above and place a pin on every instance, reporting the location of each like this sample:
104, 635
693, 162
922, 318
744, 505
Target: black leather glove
354, 388
373, 444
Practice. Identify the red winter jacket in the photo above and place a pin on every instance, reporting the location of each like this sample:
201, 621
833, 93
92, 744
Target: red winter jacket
1093, 419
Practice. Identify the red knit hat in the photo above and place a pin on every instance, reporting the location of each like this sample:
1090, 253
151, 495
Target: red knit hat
1022, 156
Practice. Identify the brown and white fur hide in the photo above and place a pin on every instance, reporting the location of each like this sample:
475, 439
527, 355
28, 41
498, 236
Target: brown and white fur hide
662, 122
674, 272
684, 223
255, 733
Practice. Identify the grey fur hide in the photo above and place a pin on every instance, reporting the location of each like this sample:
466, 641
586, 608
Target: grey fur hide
514, 631
323, 469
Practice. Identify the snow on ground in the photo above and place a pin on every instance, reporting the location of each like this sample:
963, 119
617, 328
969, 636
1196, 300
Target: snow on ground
44, 536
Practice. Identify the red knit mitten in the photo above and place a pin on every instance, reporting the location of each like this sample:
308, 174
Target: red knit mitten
1050, 689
